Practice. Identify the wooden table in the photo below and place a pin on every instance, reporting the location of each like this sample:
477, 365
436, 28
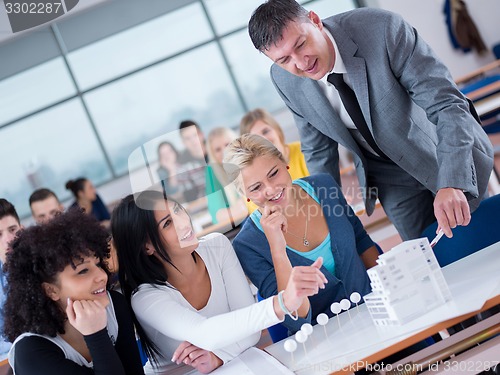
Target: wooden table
478, 72
475, 285
488, 106
483, 72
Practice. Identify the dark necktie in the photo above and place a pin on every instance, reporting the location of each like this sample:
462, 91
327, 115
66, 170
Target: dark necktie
351, 104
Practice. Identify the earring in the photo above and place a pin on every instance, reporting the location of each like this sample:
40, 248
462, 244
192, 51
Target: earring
287, 167
248, 200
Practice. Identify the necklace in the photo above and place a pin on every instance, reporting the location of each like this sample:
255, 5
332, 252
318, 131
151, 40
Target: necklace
304, 239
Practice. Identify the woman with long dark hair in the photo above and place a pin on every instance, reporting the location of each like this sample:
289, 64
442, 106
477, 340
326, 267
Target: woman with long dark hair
87, 199
191, 299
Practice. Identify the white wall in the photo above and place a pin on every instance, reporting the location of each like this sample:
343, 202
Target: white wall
428, 18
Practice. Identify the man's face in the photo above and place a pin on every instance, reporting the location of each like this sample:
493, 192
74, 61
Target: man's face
305, 49
45, 210
193, 140
9, 226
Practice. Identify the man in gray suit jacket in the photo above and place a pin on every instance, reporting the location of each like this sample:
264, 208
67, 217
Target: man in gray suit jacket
422, 154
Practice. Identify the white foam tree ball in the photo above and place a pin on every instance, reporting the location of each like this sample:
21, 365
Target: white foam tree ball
345, 304
307, 329
290, 345
355, 297
300, 337
322, 319
335, 308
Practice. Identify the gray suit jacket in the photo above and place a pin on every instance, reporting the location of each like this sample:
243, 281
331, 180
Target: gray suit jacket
414, 110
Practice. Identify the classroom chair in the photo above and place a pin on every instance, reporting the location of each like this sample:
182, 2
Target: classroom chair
496, 50
142, 353
482, 231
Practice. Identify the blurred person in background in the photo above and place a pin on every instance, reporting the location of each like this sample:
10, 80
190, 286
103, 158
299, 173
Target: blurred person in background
9, 226
194, 140
193, 160
86, 198
224, 202
44, 205
168, 170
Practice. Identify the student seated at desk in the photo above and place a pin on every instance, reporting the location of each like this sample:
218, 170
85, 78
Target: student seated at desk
87, 199
297, 221
44, 205
225, 204
191, 299
58, 313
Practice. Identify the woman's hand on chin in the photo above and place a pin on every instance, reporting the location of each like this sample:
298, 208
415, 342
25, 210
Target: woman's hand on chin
87, 316
274, 224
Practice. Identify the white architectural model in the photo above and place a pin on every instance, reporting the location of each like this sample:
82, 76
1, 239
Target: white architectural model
406, 283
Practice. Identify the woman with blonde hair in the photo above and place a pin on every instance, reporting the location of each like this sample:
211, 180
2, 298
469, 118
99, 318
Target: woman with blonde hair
261, 122
224, 202
297, 222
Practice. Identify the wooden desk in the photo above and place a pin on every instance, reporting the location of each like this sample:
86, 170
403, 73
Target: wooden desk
488, 105
475, 285
478, 72
484, 91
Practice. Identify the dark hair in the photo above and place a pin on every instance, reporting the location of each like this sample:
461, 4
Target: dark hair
270, 19
76, 185
187, 123
8, 209
41, 194
39, 254
167, 143
132, 225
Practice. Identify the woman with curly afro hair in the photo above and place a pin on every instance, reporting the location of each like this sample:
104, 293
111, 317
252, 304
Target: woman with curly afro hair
59, 314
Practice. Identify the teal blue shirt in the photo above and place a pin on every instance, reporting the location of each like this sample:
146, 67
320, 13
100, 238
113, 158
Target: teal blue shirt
324, 249
348, 241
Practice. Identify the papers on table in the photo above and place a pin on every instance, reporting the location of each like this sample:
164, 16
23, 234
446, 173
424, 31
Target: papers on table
252, 361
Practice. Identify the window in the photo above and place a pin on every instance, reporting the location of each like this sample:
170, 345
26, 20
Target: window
46, 150
34, 89
139, 46
229, 15
327, 8
251, 69
131, 111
